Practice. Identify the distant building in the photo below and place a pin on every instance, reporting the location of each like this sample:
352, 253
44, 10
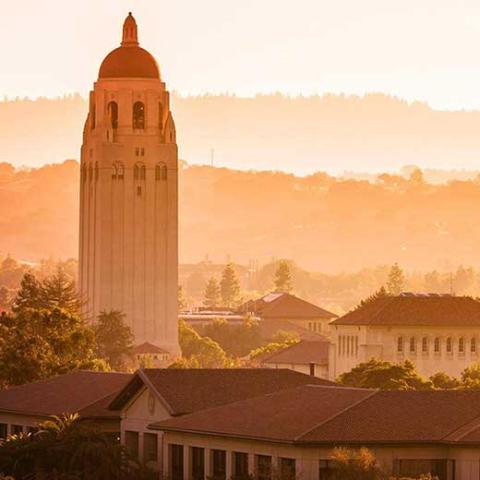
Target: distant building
128, 258
285, 306
156, 394
292, 433
309, 357
438, 333
82, 392
149, 355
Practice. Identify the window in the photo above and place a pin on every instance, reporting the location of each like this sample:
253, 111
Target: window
16, 429
160, 116
176, 462
131, 443
263, 467
240, 466
424, 344
150, 447
312, 369
348, 346
400, 344
449, 345
3, 430
442, 469
161, 174
219, 465
142, 152
138, 116
139, 171
198, 463
326, 470
287, 469
356, 346
120, 171
113, 114
436, 345
412, 344
473, 345
461, 345
139, 191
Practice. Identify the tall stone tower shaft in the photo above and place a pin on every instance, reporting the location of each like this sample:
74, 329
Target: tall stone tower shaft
128, 196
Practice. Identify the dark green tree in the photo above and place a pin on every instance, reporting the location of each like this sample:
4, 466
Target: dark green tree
212, 293
385, 376
114, 339
380, 293
442, 381
67, 448
471, 376
29, 295
283, 277
229, 286
396, 280
60, 291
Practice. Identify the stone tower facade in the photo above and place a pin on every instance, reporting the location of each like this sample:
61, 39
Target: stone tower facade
128, 197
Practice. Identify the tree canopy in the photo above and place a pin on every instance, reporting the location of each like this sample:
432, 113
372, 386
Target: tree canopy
212, 295
283, 277
396, 280
229, 286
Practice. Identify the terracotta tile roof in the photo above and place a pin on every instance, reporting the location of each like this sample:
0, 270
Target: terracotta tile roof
148, 348
284, 305
69, 393
416, 310
336, 415
189, 390
302, 352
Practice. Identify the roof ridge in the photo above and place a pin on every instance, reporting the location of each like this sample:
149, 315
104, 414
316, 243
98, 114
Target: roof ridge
458, 429
335, 415
149, 383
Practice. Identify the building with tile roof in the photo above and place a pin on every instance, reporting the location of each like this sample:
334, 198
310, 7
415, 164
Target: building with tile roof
411, 432
285, 306
436, 332
84, 392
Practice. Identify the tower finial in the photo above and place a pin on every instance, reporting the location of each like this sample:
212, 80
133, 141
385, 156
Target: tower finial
130, 36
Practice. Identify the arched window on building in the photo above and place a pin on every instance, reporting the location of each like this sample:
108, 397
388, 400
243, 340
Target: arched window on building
400, 344
436, 345
113, 114
473, 345
139, 171
161, 174
461, 345
424, 344
412, 344
449, 345
138, 116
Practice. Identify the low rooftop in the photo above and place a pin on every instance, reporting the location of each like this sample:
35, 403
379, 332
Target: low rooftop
410, 309
303, 352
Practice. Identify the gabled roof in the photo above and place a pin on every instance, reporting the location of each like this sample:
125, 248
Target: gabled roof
415, 310
284, 305
337, 415
303, 352
184, 391
69, 393
147, 348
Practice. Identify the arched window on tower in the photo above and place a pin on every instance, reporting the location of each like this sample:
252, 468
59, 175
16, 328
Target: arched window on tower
113, 114
139, 171
160, 116
138, 115
120, 171
160, 171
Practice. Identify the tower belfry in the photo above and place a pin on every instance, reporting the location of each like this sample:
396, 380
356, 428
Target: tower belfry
128, 196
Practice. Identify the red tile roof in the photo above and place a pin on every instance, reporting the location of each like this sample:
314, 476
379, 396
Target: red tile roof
414, 311
148, 348
190, 390
302, 352
284, 305
336, 415
69, 393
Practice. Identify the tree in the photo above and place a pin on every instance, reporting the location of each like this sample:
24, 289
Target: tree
229, 286
38, 344
380, 293
283, 277
67, 448
59, 291
359, 464
442, 381
29, 295
5, 298
279, 342
471, 376
114, 339
385, 376
212, 293
182, 301
396, 280
202, 352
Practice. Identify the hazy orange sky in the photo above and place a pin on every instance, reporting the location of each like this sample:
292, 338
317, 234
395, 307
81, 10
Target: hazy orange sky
416, 49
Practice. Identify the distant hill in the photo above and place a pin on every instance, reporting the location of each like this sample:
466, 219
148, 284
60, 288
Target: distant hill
324, 223
305, 134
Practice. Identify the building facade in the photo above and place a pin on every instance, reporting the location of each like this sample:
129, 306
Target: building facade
128, 196
437, 333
